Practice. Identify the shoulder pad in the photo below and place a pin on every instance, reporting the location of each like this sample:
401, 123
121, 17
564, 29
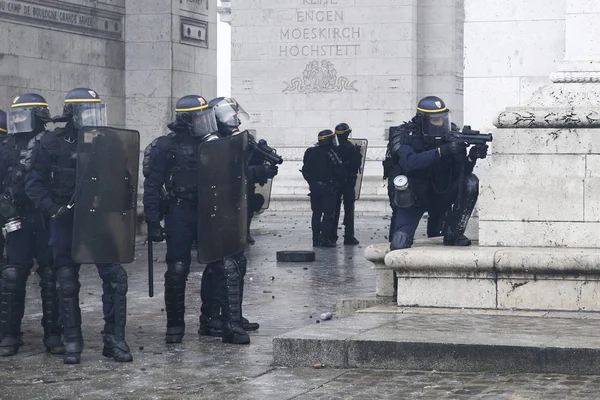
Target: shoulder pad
147, 154
27, 158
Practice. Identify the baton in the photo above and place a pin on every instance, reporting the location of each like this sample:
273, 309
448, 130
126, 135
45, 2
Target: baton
150, 269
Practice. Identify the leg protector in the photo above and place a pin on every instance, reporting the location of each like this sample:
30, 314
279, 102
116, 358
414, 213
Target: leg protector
461, 213
67, 283
175, 281
211, 323
232, 330
12, 308
115, 345
246, 325
401, 240
50, 310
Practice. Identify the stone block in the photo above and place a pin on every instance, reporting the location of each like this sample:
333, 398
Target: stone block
480, 107
493, 11
147, 56
148, 28
551, 199
143, 83
543, 40
524, 166
447, 292
148, 111
549, 294
140, 7
547, 141
542, 234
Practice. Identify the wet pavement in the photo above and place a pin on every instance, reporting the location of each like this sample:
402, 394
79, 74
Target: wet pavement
281, 297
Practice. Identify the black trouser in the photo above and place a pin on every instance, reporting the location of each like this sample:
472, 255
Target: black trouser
347, 195
322, 203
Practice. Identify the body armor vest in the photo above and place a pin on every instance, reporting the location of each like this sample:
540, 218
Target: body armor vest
182, 179
64, 170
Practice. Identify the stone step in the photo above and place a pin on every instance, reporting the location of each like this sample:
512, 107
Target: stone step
448, 340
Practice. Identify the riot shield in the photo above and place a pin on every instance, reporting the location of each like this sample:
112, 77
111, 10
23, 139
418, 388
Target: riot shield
265, 192
105, 200
222, 203
362, 145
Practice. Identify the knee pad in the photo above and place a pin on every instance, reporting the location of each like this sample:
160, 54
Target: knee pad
47, 276
67, 281
471, 185
177, 273
12, 277
232, 268
118, 280
401, 240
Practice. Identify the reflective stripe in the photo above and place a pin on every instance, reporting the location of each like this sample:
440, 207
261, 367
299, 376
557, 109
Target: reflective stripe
432, 111
326, 136
28, 105
191, 109
82, 100
342, 132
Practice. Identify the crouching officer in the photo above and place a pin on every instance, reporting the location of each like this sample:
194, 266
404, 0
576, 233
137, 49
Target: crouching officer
52, 185
439, 174
26, 229
323, 170
173, 163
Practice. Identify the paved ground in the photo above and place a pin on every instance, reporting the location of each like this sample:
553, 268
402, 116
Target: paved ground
282, 297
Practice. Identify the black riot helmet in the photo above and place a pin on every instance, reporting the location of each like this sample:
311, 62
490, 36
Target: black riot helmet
83, 107
228, 112
327, 138
433, 116
194, 116
28, 113
3, 126
342, 132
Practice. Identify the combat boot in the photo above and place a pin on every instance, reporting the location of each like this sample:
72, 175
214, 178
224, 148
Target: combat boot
327, 243
175, 282
211, 323
232, 329
113, 335
350, 240
460, 240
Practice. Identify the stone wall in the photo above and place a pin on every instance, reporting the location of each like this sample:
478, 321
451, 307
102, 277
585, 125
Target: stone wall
300, 66
51, 47
511, 47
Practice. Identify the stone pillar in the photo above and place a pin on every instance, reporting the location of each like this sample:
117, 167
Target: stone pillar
543, 185
170, 52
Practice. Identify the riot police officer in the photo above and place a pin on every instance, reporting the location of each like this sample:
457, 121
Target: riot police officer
351, 157
440, 177
26, 227
51, 185
323, 170
173, 164
213, 291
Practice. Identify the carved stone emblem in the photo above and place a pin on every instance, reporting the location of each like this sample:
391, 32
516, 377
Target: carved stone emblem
319, 77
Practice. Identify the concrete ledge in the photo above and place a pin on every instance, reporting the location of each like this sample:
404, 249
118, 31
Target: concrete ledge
432, 275
446, 342
384, 276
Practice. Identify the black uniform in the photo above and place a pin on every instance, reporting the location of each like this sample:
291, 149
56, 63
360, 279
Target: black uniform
323, 170
352, 158
3, 135
51, 184
172, 163
30, 240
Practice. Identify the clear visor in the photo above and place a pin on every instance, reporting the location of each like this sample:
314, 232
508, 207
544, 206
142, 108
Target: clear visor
204, 122
20, 120
437, 125
89, 114
230, 113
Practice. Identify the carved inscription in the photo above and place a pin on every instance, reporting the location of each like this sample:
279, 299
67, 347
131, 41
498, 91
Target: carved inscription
321, 31
79, 19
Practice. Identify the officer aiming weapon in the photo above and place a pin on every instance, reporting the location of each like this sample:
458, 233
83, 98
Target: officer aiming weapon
267, 153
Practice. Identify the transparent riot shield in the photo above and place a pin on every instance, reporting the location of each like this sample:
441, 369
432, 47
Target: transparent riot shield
362, 145
222, 204
265, 192
105, 197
